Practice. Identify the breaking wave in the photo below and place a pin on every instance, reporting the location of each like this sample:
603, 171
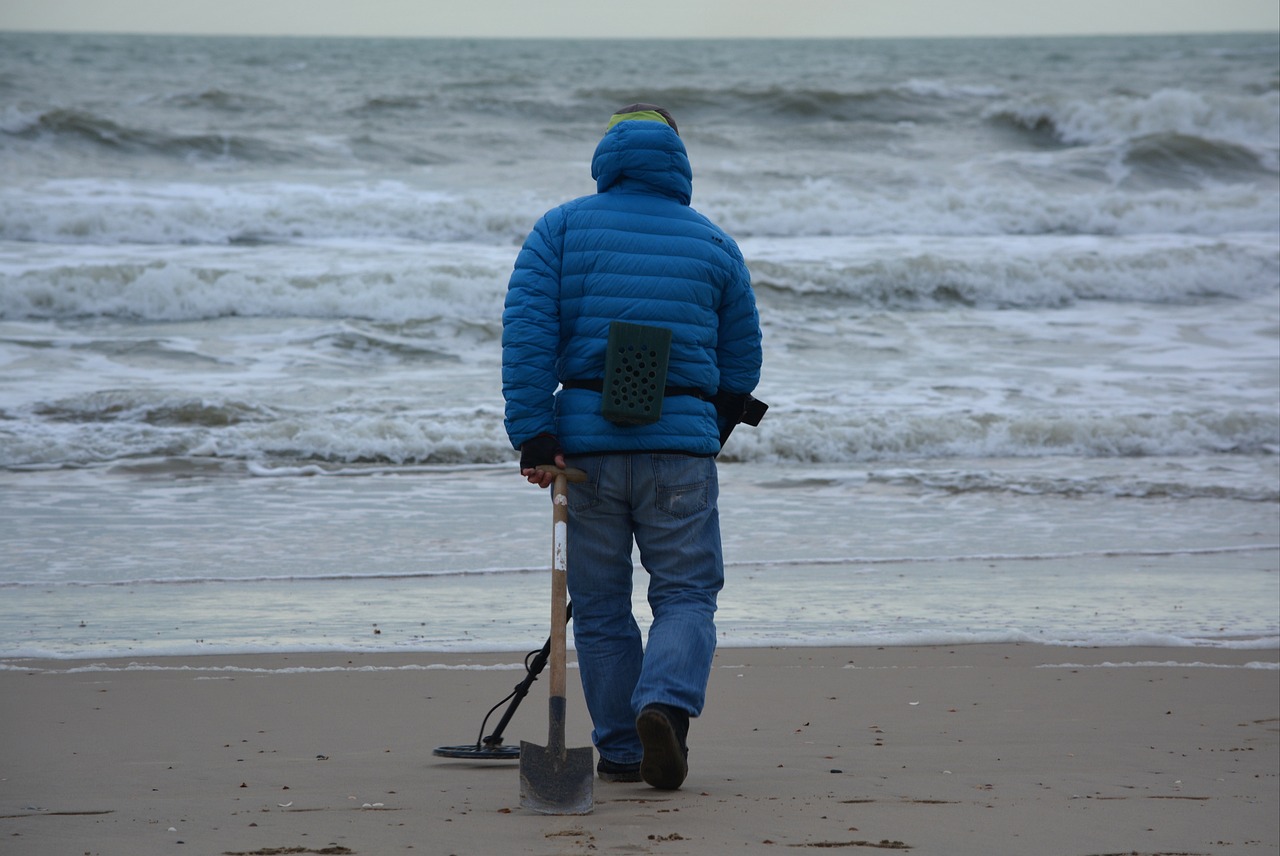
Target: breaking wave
81, 127
121, 425
1223, 135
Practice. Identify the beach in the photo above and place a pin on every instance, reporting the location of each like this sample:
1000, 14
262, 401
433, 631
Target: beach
1002, 563
952, 750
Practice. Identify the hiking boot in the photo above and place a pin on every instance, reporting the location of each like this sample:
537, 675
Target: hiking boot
610, 771
663, 729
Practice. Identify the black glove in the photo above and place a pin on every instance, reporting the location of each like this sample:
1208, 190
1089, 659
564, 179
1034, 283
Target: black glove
540, 450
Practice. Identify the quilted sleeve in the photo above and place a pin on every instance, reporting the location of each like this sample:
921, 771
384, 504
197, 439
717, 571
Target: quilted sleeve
739, 352
531, 332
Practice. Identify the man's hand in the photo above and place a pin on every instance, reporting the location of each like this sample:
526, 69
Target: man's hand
543, 449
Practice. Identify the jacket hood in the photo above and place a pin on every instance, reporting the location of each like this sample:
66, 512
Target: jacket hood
646, 153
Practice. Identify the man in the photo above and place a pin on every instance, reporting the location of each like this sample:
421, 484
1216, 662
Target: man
636, 253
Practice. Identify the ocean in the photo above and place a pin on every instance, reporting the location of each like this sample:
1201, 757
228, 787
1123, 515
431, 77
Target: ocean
1020, 299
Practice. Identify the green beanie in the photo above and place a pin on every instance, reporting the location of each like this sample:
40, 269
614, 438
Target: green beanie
643, 112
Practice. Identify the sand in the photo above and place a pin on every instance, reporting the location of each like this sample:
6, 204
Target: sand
984, 749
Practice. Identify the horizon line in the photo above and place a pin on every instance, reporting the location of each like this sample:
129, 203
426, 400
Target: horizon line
637, 38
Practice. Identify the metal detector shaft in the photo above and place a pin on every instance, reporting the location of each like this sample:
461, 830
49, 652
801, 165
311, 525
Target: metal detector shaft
536, 665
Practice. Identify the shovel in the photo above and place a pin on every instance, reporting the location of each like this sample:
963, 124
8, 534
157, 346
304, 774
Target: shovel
553, 778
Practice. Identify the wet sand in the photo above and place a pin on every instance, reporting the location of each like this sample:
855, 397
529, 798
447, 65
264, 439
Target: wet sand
983, 749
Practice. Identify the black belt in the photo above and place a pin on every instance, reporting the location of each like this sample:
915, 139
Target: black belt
596, 385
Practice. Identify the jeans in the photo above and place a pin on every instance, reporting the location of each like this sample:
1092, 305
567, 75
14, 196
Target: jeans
667, 504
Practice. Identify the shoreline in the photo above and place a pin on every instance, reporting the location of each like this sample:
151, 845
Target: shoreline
1190, 599
1178, 650
961, 749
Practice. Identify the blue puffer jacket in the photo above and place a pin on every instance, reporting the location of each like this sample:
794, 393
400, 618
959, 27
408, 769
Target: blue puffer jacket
635, 251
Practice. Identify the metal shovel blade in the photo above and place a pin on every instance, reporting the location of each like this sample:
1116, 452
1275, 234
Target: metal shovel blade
553, 779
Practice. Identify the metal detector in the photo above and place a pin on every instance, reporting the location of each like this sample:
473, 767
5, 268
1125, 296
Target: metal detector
491, 748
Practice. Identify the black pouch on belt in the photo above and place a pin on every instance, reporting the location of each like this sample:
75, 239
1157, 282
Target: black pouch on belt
635, 373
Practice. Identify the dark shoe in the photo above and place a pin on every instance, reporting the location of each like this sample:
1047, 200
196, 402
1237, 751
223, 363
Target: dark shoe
663, 729
609, 771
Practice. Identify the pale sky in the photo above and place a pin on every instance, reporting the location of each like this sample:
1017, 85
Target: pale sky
643, 18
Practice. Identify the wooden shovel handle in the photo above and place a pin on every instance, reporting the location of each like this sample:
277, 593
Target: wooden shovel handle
559, 571
573, 474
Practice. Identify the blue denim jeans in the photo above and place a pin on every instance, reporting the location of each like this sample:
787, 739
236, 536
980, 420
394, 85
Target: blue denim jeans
667, 504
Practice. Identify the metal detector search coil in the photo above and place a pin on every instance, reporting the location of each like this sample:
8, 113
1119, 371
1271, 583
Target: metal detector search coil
635, 373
